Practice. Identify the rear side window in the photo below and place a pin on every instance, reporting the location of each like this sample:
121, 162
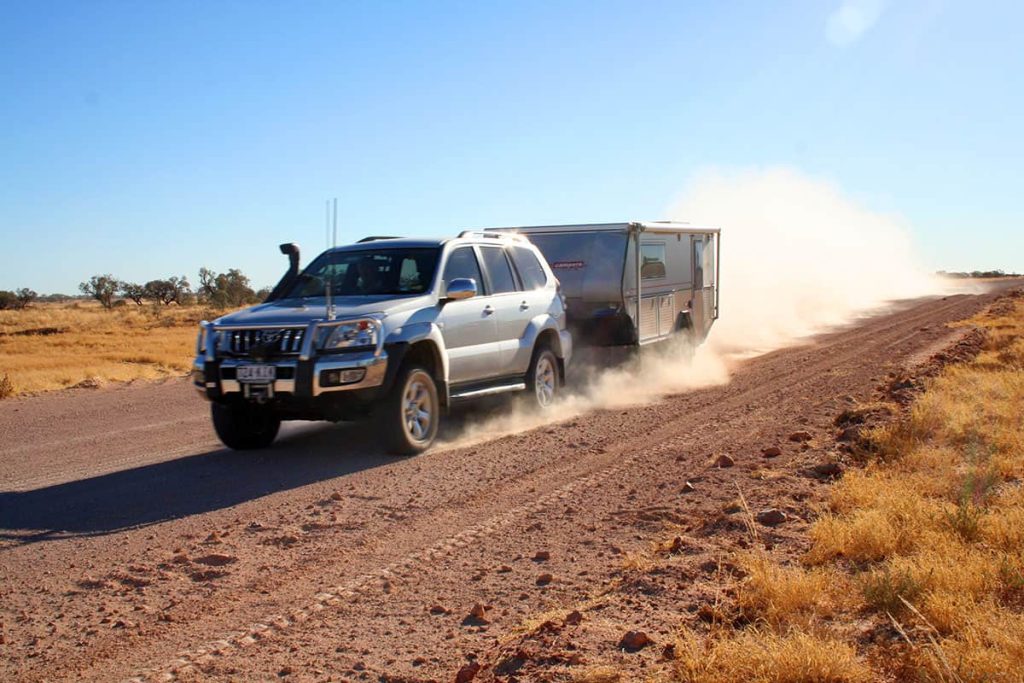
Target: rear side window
498, 269
462, 264
529, 267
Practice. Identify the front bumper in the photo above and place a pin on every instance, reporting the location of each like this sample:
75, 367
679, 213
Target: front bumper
294, 377
308, 374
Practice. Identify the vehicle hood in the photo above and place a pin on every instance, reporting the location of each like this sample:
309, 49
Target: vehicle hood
302, 311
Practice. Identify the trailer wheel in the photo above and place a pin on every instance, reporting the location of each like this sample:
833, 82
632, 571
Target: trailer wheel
243, 427
686, 337
542, 377
408, 418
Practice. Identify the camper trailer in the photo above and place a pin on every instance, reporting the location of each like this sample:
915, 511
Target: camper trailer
633, 284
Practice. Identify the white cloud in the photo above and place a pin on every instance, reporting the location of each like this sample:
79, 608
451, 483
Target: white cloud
851, 20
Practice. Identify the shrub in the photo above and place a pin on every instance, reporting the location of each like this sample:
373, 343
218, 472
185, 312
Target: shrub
103, 288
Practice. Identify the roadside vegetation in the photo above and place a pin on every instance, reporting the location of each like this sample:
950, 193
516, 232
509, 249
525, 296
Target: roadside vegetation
915, 570
56, 346
117, 332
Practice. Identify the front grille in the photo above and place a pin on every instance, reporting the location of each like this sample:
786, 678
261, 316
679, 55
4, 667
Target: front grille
266, 342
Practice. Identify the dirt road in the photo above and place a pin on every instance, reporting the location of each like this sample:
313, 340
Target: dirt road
132, 546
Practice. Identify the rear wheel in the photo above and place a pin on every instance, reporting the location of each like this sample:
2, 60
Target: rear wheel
244, 427
409, 417
542, 378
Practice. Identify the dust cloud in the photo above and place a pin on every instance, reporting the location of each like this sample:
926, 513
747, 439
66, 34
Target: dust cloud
797, 258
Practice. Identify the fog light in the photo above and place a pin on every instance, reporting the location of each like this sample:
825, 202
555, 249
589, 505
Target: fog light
336, 378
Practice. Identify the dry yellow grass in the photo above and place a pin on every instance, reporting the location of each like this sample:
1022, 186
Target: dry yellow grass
601, 674
765, 656
929, 537
55, 346
787, 595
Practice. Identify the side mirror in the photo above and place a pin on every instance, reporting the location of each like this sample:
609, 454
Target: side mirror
461, 288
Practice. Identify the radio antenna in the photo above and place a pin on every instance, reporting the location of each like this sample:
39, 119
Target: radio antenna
332, 224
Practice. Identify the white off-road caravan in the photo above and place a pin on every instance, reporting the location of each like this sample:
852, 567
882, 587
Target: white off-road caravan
636, 283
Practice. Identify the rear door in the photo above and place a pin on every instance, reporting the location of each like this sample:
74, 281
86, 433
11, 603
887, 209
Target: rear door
511, 308
537, 297
469, 327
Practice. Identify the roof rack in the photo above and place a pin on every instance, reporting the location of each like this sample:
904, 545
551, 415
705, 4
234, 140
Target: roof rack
492, 235
374, 238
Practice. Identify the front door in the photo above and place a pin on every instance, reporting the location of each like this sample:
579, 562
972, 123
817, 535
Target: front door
469, 327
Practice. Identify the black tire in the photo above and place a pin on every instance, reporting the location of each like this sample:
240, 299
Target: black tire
685, 338
542, 389
402, 431
244, 427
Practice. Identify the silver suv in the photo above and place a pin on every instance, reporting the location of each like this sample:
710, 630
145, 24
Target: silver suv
393, 329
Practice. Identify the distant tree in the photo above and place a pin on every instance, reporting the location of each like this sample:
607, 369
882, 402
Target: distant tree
133, 291
25, 297
262, 293
103, 288
8, 300
225, 290
55, 298
170, 291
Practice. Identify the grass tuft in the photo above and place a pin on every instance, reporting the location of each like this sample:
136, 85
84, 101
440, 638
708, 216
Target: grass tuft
764, 656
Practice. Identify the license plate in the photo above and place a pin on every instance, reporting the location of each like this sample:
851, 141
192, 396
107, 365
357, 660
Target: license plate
257, 373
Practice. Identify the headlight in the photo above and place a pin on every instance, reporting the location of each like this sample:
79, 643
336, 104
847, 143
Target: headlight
349, 335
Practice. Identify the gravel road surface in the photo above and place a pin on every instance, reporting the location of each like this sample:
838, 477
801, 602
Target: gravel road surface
132, 546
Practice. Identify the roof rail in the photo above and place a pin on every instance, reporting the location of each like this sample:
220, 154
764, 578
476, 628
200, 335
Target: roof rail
492, 235
374, 238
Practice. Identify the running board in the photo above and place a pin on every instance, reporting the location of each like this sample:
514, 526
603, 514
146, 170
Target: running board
489, 391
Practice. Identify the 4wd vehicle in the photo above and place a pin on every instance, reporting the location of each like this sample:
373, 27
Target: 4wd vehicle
393, 329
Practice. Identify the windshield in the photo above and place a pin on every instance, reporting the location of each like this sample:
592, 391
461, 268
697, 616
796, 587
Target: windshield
368, 273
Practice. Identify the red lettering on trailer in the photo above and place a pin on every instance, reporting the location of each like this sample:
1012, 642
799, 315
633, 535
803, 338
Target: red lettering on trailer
568, 265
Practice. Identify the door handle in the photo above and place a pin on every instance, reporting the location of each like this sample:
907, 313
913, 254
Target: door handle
488, 310
523, 306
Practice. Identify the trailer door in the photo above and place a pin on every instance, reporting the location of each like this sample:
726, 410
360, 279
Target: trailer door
704, 283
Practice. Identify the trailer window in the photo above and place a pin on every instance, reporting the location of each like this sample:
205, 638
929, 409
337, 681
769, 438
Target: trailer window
709, 263
498, 269
698, 263
530, 270
462, 264
652, 261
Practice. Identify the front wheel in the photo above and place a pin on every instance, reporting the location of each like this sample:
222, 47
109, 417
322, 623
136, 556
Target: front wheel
244, 427
542, 377
409, 417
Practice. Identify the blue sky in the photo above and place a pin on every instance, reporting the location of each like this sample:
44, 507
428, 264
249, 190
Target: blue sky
149, 139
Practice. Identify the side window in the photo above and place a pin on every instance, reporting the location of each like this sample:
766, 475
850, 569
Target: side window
652, 261
462, 263
498, 269
530, 269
